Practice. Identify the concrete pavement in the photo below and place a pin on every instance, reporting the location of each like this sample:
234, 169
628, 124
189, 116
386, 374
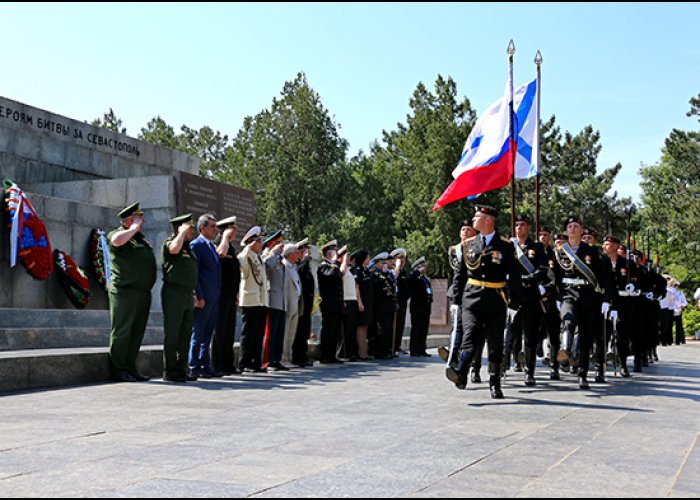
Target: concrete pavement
371, 429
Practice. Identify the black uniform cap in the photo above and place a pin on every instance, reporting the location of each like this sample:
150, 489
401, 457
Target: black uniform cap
590, 232
573, 218
545, 229
612, 239
485, 209
522, 218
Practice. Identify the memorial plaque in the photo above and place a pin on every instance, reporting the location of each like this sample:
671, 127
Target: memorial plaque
200, 196
439, 313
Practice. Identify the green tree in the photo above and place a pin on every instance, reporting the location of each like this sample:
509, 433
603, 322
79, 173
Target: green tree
109, 121
670, 194
293, 157
158, 132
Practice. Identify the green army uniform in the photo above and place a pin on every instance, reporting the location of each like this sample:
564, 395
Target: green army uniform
179, 282
133, 267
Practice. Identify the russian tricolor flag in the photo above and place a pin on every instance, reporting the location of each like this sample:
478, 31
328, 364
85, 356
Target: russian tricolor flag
487, 159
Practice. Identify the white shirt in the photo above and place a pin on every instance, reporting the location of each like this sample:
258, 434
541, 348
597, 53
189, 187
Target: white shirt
697, 294
488, 238
349, 291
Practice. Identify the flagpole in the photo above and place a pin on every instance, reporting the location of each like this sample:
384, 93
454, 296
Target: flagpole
513, 138
538, 63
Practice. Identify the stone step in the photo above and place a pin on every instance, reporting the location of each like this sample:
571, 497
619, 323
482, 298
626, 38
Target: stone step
43, 368
63, 318
22, 370
15, 339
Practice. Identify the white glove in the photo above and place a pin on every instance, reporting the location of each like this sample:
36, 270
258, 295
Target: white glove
454, 309
558, 305
613, 315
542, 290
511, 314
605, 309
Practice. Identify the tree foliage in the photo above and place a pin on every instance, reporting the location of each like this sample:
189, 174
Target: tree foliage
110, 121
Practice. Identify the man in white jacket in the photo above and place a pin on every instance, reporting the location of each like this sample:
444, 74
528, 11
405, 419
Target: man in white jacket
253, 299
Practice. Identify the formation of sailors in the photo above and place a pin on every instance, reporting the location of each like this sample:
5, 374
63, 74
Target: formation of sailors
563, 298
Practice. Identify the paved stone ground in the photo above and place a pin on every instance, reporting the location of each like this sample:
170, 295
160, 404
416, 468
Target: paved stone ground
395, 429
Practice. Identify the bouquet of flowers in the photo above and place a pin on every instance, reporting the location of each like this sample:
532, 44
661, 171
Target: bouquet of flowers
72, 279
28, 238
99, 255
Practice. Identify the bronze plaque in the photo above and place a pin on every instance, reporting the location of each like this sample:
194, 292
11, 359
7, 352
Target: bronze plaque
439, 312
200, 196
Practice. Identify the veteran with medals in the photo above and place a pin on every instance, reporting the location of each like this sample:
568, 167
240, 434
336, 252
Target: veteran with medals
491, 271
133, 273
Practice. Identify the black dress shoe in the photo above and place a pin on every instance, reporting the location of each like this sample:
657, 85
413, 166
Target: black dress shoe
259, 370
496, 392
141, 378
583, 383
625, 372
637, 368
554, 375
600, 379
476, 377
530, 380
456, 378
123, 377
191, 378
176, 379
519, 368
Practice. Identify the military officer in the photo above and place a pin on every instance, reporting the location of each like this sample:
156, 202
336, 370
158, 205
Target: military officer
403, 295
602, 334
384, 307
253, 301
330, 284
534, 273
624, 320
421, 306
580, 279
222, 355
179, 282
551, 323
300, 347
133, 269
491, 267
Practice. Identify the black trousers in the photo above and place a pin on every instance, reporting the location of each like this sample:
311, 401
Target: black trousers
420, 324
550, 327
625, 327
400, 325
347, 347
477, 326
573, 314
652, 325
300, 347
252, 337
383, 330
330, 333
680, 332
666, 326
526, 325
222, 355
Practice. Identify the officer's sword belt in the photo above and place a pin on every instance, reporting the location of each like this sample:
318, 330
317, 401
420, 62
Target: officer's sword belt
486, 284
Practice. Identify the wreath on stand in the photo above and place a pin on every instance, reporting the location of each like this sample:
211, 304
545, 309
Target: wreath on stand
72, 279
29, 241
99, 256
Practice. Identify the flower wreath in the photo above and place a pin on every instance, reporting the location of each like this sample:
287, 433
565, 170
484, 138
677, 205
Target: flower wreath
99, 256
29, 240
73, 280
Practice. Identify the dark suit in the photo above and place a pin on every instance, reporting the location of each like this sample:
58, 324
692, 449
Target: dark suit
225, 336
308, 288
209, 289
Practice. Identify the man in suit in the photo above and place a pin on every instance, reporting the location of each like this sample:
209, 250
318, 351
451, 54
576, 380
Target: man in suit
330, 284
292, 299
207, 295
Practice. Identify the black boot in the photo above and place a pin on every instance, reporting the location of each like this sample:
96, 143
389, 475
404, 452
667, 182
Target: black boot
476, 376
496, 392
460, 375
583, 382
531, 362
554, 373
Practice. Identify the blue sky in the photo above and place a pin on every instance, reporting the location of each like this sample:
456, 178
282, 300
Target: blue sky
628, 70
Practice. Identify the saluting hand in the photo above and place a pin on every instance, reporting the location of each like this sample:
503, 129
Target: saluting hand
183, 229
137, 224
